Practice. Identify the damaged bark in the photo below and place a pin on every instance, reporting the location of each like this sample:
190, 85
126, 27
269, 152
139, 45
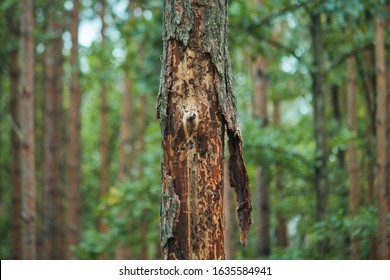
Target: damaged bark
196, 104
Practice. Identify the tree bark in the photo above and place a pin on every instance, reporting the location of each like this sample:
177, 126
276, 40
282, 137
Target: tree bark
196, 101
281, 229
352, 153
263, 223
381, 145
74, 162
14, 76
319, 102
28, 211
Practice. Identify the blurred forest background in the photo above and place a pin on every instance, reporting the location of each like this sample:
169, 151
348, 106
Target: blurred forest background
82, 77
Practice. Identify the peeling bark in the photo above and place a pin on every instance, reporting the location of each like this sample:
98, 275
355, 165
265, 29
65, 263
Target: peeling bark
195, 103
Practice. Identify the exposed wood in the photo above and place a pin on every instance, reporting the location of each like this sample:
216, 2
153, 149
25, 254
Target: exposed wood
28, 213
382, 141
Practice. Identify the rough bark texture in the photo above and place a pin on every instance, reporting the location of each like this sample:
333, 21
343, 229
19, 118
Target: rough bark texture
381, 145
28, 213
263, 194
74, 163
195, 103
321, 169
14, 74
281, 228
352, 153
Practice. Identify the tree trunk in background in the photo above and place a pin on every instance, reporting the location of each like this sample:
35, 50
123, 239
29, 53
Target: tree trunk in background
335, 93
196, 101
126, 152
142, 146
74, 163
14, 74
263, 194
231, 229
54, 222
319, 102
282, 230
365, 73
104, 138
28, 213
352, 153
381, 146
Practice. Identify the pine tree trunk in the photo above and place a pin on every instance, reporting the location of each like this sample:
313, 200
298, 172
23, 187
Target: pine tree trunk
125, 132
54, 224
28, 213
104, 137
126, 151
319, 102
381, 145
231, 229
352, 153
14, 75
282, 230
263, 197
196, 101
74, 163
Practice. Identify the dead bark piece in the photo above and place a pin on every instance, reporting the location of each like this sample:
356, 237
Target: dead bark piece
240, 182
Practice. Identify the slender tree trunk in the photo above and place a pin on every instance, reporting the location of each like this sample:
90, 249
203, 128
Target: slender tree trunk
104, 137
381, 145
230, 224
142, 146
14, 74
196, 101
335, 93
54, 223
352, 153
369, 97
263, 223
28, 213
321, 168
126, 150
282, 230
74, 163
